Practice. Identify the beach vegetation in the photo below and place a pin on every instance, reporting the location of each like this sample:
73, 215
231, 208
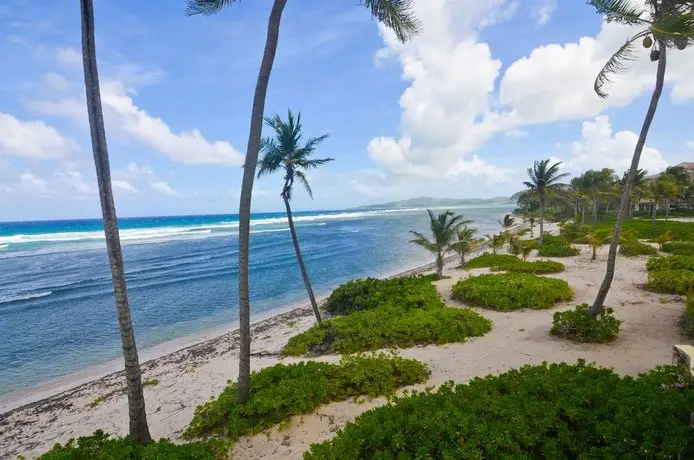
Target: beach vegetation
552, 411
663, 238
556, 249
679, 247
673, 262
512, 291
579, 325
287, 153
444, 232
688, 317
496, 241
282, 391
150, 383
671, 281
96, 402
465, 243
510, 263
632, 247
596, 240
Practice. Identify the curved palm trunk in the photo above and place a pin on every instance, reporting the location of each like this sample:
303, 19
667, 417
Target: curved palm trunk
542, 219
139, 431
300, 259
596, 308
254, 136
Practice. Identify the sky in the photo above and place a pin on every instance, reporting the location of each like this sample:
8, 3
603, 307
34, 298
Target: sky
461, 111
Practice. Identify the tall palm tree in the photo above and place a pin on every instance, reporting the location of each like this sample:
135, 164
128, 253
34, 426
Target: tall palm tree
466, 242
394, 14
444, 229
544, 183
601, 183
638, 190
667, 189
665, 24
139, 430
286, 152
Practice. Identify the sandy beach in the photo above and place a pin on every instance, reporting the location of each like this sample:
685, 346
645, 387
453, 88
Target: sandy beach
199, 371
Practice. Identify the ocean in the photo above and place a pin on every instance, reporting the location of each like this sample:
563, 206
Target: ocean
57, 313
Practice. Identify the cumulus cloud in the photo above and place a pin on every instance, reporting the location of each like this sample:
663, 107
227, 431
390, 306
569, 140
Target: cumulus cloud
543, 11
33, 139
124, 185
73, 183
55, 82
143, 174
690, 144
30, 182
164, 188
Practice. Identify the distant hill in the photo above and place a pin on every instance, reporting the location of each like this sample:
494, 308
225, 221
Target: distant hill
428, 202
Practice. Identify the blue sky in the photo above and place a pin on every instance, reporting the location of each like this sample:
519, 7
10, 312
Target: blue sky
461, 111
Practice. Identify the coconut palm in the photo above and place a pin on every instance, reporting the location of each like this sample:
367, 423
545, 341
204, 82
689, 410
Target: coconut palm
507, 223
543, 184
638, 190
668, 190
138, 428
595, 240
664, 25
496, 241
601, 183
288, 154
466, 242
444, 229
394, 14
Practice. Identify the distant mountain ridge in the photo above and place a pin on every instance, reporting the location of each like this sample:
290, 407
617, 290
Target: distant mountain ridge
428, 202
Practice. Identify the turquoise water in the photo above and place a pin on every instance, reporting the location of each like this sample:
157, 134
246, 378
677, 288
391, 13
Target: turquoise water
57, 310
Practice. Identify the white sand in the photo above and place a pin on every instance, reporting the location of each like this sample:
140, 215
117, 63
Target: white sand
193, 375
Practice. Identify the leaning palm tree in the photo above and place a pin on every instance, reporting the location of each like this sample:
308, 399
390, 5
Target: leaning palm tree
666, 24
496, 241
394, 14
466, 242
507, 223
139, 430
543, 183
444, 229
288, 154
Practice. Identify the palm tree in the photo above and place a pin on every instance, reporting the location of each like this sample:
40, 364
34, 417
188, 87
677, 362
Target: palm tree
638, 190
667, 189
286, 152
444, 229
394, 14
596, 239
466, 242
496, 241
139, 430
664, 24
507, 223
544, 183
601, 183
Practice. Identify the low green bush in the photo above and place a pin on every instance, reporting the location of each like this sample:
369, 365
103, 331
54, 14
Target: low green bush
388, 327
555, 411
510, 263
644, 229
578, 325
557, 250
100, 446
671, 281
490, 260
633, 248
366, 294
688, 319
674, 262
281, 391
685, 248
512, 291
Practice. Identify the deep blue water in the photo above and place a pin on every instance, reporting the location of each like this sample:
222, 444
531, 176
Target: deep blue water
57, 312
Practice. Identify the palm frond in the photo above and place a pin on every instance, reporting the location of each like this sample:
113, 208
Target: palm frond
617, 64
620, 11
397, 15
206, 7
675, 26
304, 181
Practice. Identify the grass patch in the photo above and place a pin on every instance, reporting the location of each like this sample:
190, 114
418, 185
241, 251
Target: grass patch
491, 260
671, 281
95, 402
366, 294
512, 291
579, 326
688, 317
510, 263
100, 446
685, 248
634, 248
552, 249
674, 262
150, 383
555, 411
644, 229
281, 391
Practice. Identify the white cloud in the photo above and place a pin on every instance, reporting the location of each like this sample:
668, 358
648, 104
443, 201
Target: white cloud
543, 11
30, 182
499, 11
55, 82
690, 144
72, 182
164, 188
135, 174
69, 56
600, 147
33, 139
124, 185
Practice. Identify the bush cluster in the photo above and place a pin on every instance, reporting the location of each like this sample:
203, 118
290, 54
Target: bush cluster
281, 391
578, 325
510, 263
366, 294
688, 320
671, 281
557, 248
632, 248
685, 248
512, 291
644, 229
674, 262
555, 411
100, 446
379, 315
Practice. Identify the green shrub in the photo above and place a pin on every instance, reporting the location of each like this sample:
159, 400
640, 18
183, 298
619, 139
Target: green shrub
574, 232
557, 250
512, 291
490, 260
675, 262
679, 247
281, 391
366, 294
671, 281
578, 325
100, 447
388, 327
632, 248
532, 244
644, 229
505, 262
555, 411
688, 320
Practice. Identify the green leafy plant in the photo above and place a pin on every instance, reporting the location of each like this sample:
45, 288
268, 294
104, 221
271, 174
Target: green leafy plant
281, 391
512, 291
632, 247
100, 446
671, 281
580, 326
663, 238
688, 319
644, 230
557, 250
552, 411
679, 247
496, 241
525, 251
505, 262
490, 260
674, 262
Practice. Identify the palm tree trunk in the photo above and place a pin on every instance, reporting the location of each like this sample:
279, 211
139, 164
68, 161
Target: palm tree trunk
596, 308
139, 430
252, 150
654, 210
667, 209
583, 214
439, 266
595, 254
542, 219
595, 210
300, 259
575, 212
